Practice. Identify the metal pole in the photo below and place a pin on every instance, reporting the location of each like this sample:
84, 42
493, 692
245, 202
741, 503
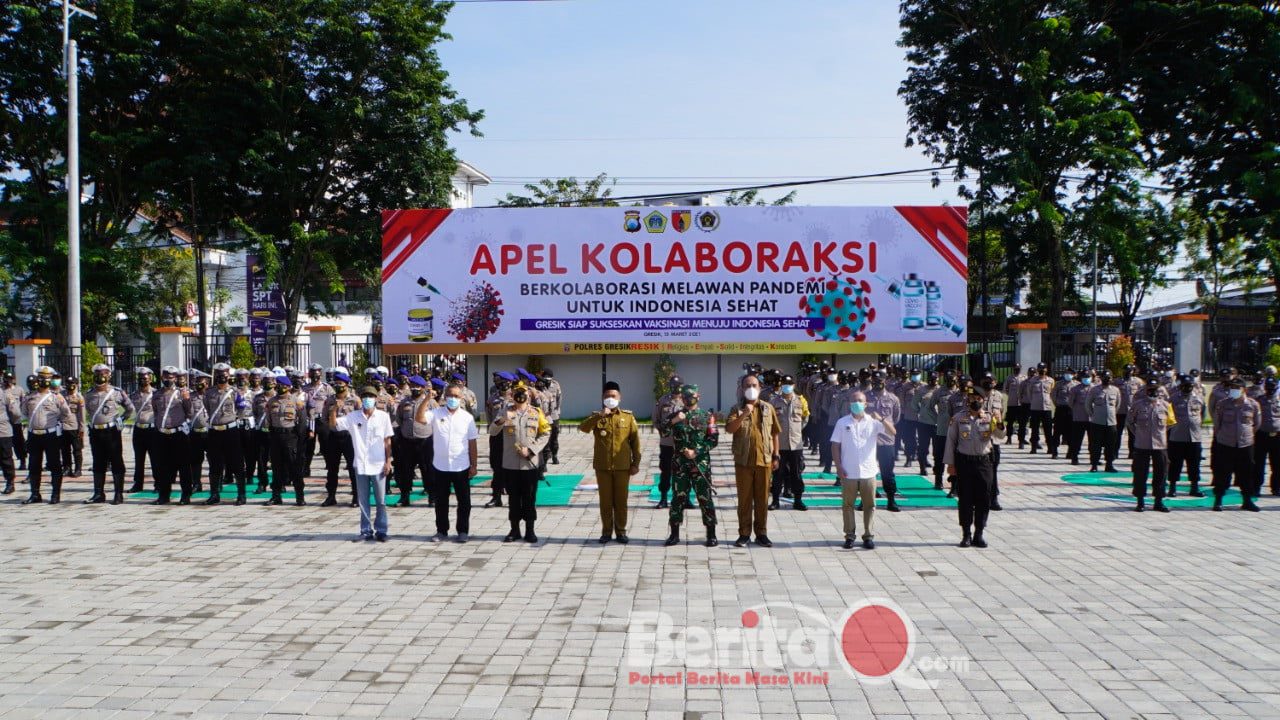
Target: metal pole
982, 270
73, 195
200, 300
1093, 348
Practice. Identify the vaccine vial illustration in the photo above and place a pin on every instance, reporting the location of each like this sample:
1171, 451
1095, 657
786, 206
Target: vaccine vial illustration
933, 305
913, 303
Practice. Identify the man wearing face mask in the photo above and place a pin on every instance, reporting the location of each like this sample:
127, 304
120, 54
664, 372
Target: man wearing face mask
856, 443
1103, 402
1185, 446
926, 421
454, 460
1236, 421
995, 404
10, 427
1225, 377
404, 447
524, 431
1038, 393
1267, 446
262, 445
663, 410
1062, 414
693, 435
1149, 420
318, 392
173, 412
1131, 388
1013, 391
968, 458
829, 399
940, 402
286, 420
108, 409
339, 447
1079, 425
199, 438
754, 426
143, 435
884, 405
224, 405
73, 431
496, 407
793, 416
616, 459
370, 430
46, 412
906, 437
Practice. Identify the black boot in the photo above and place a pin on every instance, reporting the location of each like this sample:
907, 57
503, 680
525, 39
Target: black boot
711, 536
118, 497
1217, 502
1173, 491
56, 496
297, 497
329, 501
799, 504
240, 494
978, 540
215, 493
674, 537
99, 492
967, 540
1160, 506
34, 497
8, 487
662, 502
1142, 505
775, 504
1195, 490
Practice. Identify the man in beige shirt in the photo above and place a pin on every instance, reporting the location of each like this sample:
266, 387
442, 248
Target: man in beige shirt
754, 426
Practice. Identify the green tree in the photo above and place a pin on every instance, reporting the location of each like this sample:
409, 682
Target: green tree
565, 192
1216, 259
1009, 89
663, 369
241, 353
750, 197
1119, 354
90, 355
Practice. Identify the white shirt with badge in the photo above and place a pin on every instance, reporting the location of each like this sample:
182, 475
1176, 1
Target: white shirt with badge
451, 435
368, 436
857, 439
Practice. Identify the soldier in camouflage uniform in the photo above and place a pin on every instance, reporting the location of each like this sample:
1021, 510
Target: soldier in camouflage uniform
693, 434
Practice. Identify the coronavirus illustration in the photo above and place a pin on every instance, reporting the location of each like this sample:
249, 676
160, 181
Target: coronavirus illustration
476, 314
844, 305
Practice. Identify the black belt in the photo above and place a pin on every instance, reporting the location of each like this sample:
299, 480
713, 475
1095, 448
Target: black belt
973, 457
228, 426
284, 430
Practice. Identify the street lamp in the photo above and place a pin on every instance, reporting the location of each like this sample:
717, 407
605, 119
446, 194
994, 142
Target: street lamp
70, 66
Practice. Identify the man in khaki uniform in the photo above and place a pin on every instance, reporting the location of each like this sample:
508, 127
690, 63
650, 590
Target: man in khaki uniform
46, 411
1148, 421
663, 410
793, 416
616, 459
754, 426
968, 457
108, 409
524, 431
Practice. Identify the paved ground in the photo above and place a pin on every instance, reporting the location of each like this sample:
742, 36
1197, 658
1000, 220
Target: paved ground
1078, 609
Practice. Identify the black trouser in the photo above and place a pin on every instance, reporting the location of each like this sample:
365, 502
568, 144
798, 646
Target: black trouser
226, 460
72, 452
1120, 434
171, 457
42, 450
262, 455
405, 452
1023, 416
995, 471
1061, 429
425, 453
248, 458
1040, 420
906, 438
553, 444
309, 452
499, 482
973, 488
1158, 460
824, 448
789, 476
522, 489
816, 424
20, 444
144, 446
199, 444
1228, 463
1076, 440
461, 486
285, 461
107, 447
1184, 452
6, 458
887, 458
939, 452
1102, 441
1266, 449
665, 453
924, 443
337, 448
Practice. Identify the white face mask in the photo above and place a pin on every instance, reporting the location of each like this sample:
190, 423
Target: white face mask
611, 402
831, 378
751, 393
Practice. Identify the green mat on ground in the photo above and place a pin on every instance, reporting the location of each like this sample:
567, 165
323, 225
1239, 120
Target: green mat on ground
913, 491
1230, 501
1100, 479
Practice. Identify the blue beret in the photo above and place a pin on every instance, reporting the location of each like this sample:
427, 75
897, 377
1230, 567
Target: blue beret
527, 375
343, 377
458, 376
504, 375
438, 382
284, 380
417, 381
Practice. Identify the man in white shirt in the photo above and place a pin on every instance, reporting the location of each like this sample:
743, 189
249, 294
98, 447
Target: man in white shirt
371, 434
853, 445
453, 435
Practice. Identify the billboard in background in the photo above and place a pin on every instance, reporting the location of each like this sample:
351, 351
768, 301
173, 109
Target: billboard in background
266, 304
675, 280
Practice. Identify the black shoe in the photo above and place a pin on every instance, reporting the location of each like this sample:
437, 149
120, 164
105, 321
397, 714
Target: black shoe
493, 503
799, 505
995, 505
512, 536
741, 541
622, 538
786, 494
8, 489
937, 485
661, 504
261, 489
329, 502
1142, 505
97, 498
892, 506
966, 541
1250, 506
299, 501
404, 501
33, 499
355, 503
529, 537
605, 538
950, 493
879, 494
1195, 492
380, 537
1275, 493
135, 488
674, 537
367, 537
1093, 468
1053, 456
1160, 507
214, 500
1034, 449
117, 499
159, 501
555, 460
1111, 469
1171, 493
276, 500
1217, 506
764, 541
869, 544
198, 488
1075, 461
711, 537
978, 542
836, 483
774, 505
240, 499
848, 543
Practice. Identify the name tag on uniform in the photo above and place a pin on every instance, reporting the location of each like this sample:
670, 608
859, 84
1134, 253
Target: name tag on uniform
964, 434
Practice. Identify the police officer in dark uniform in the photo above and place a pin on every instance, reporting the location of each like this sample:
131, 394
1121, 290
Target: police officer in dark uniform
288, 420
496, 407
173, 410
338, 448
108, 408
224, 404
143, 435
46, 411
1185, 436
968, 458
261, 428
886, 406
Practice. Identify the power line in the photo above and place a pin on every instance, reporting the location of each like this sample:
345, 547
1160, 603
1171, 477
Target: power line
682, 138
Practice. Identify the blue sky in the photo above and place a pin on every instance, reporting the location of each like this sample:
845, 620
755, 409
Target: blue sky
699, 93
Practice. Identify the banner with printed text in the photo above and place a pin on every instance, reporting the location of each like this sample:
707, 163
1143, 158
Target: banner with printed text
675, 280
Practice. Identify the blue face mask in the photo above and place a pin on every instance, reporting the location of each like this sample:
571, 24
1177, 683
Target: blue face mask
1088, 381
915, 378
1067, 377
1235, 393
452, 403
369, 403
857, 408
788, 389
55, 383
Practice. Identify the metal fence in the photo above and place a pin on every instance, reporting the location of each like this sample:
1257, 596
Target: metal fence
1001, 355
271, 351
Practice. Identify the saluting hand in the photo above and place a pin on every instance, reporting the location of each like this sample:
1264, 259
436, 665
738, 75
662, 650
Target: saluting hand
689, 453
